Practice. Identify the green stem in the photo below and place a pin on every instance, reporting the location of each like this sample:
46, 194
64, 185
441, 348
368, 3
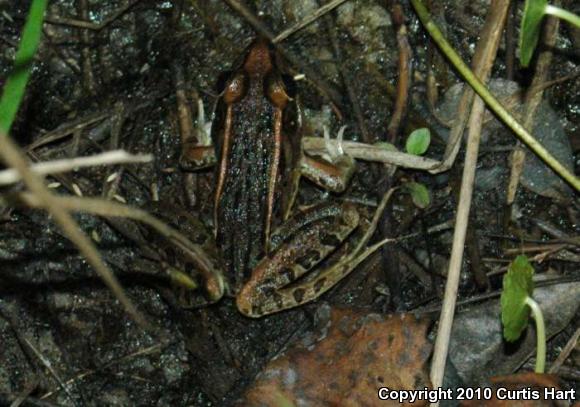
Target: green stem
563, 14
13, 91
540, 335
490, 100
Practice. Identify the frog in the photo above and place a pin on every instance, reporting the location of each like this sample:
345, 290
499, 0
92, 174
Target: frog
267, 255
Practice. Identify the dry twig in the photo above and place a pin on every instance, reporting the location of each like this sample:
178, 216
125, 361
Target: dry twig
490, 39
10, 176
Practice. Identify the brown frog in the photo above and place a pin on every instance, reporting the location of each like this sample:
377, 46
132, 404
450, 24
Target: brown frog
271, 255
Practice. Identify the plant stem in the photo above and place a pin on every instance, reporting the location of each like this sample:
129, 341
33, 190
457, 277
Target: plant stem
540, 335
13, 91
489, 99
563, 14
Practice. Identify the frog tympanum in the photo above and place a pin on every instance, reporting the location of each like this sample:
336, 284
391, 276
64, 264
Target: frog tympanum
271, 255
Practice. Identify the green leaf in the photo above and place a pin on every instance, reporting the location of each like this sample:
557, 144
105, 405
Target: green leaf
530, 29
517, 286
418, 141
15, 86
419, 194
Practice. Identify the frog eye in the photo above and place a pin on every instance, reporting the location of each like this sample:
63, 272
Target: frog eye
275, 90
236, 88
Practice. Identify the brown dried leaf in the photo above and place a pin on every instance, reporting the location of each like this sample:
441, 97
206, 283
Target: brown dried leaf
353, 355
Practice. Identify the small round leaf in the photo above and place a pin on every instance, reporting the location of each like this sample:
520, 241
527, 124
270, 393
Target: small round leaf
418, 141
419, 194
517, 286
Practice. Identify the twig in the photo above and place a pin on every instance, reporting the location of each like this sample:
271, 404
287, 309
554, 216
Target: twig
11, 155
346, 79
367, 152
68, 128
565, 353
533, 100
11, 176
308, 20
496, 19
213, 280
89, 25
85, 35
541, 87
115, 176
25, 393
404, 76
46, 363
140, 352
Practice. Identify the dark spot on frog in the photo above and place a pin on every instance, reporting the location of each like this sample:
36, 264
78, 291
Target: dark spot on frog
298, 295
267, 289
381, 379
319, 284
330, 239
390, 339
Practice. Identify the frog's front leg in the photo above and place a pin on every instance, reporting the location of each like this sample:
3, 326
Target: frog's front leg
198, 152
332, 172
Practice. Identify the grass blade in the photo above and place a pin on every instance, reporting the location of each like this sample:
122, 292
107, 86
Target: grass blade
16, 83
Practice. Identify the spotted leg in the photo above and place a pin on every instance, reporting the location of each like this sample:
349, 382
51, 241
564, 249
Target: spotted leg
280, 280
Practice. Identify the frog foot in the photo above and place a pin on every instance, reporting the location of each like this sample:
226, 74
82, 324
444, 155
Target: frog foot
198, 152
332, 170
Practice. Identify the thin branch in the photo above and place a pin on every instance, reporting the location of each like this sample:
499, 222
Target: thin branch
207, 266
89, 25
46, 363
367, 152
570, 346
11, 176
496, 18
308, 20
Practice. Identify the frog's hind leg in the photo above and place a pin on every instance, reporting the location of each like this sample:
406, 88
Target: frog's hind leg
270, 288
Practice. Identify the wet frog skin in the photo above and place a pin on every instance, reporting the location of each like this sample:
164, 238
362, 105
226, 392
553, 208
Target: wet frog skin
258, 159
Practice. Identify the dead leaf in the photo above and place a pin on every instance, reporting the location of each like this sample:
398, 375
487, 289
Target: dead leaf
346, 362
